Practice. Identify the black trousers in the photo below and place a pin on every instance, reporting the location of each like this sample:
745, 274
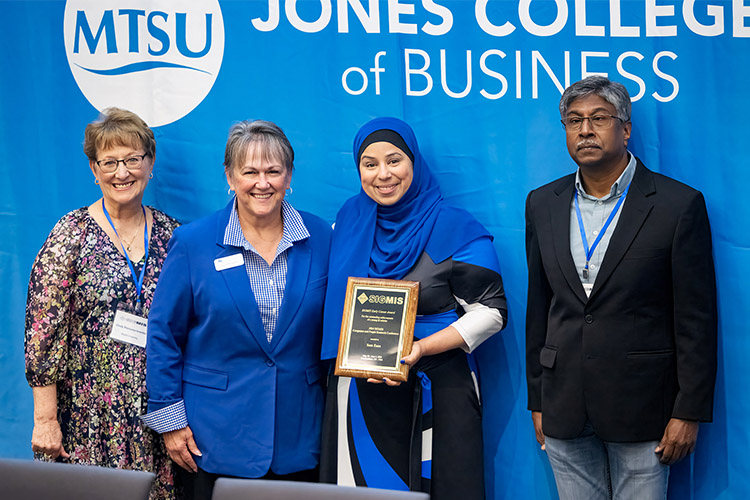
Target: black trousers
200, 485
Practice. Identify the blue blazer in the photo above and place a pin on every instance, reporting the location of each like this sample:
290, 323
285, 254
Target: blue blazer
252, 405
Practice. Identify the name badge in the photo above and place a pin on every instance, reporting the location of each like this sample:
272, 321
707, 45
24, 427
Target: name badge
129, 328
587, 287
229, 261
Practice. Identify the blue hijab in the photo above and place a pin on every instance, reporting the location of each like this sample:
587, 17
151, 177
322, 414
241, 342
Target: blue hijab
377, 241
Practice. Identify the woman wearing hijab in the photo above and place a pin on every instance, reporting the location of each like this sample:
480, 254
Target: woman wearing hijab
424, 434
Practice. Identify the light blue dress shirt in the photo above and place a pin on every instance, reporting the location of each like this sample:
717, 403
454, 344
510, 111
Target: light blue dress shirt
594, 213
267, 283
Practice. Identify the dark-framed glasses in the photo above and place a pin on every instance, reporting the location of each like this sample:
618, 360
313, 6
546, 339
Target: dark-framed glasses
598, 122
133, 162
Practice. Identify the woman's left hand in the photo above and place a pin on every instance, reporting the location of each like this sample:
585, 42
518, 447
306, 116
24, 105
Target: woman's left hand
414, 356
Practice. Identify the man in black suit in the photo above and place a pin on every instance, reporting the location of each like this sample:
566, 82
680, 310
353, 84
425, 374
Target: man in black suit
621, 314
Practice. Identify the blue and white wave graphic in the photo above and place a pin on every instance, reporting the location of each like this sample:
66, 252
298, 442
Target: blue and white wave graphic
138, 67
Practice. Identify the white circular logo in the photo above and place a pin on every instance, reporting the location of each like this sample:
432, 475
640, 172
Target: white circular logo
157, 58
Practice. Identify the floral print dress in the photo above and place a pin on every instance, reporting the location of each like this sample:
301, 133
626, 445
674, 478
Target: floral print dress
78, 281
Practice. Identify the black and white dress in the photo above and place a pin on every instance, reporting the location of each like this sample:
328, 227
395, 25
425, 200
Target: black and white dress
426, 434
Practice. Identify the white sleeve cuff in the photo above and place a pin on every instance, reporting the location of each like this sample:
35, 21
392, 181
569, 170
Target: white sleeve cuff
169, 418
477, 324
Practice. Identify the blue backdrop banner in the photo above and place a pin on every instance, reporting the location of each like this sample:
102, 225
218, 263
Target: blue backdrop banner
479, 81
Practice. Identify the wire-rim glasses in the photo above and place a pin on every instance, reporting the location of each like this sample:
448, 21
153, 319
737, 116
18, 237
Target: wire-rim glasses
598, 122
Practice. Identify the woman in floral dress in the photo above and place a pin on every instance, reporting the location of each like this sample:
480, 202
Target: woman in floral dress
98, 263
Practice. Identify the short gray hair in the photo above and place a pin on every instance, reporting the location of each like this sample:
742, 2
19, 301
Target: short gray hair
614, 93
271, 140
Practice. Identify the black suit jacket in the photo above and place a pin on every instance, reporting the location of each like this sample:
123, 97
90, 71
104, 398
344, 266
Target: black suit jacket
642, 348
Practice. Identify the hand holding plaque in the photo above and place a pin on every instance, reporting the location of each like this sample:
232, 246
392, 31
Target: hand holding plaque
377, 328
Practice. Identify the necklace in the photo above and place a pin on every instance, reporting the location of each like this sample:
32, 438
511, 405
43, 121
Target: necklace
128, 244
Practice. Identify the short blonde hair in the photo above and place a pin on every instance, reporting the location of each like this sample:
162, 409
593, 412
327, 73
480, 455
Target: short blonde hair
117, 127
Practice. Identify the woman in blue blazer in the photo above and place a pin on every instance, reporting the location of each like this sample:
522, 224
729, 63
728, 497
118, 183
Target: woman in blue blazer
235, 327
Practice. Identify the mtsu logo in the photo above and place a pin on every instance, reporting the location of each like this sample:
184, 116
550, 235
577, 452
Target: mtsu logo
158, 58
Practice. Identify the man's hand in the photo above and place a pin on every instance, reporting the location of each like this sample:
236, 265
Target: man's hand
180, 444
536, 417
678, 441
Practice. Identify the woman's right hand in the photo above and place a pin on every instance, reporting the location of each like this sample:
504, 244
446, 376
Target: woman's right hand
46, 438
181, 448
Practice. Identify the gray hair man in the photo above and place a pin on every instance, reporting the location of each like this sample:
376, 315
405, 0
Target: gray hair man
621, 313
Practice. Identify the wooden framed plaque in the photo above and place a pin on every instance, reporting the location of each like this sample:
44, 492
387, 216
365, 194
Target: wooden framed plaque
377, 328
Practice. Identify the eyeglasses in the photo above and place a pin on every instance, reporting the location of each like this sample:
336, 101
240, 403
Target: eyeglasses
109, 165
598, 122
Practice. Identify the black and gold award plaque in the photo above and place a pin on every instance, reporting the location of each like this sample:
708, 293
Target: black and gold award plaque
377, 328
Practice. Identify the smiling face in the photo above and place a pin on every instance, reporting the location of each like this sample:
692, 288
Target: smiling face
122, 187
260, 181
386, 172
597, 149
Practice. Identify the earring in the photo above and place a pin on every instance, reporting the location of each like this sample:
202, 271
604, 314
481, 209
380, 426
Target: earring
289, 190
229, 191
151, 176
96, 181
